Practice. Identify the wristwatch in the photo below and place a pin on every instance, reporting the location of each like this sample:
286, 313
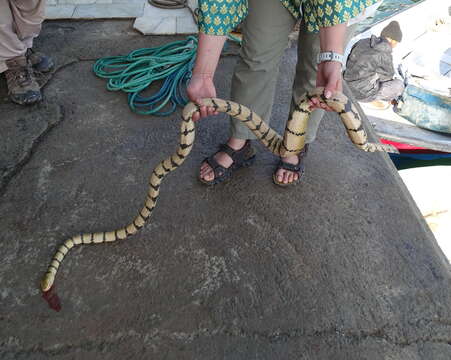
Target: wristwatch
329, 56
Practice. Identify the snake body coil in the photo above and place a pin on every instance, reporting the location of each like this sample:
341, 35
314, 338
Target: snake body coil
292, 143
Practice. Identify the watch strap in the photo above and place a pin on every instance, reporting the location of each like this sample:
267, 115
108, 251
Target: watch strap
330, 56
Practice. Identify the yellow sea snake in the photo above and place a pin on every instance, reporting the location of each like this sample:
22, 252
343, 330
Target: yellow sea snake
291, 143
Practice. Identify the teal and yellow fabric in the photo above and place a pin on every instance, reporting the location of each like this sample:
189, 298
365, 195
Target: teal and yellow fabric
219, 17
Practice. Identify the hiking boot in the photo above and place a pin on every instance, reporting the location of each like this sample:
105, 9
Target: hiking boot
40, 62
22, 86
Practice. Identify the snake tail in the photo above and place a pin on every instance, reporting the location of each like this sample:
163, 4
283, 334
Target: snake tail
161, 170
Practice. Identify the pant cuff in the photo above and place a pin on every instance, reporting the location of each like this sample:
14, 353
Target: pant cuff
3, 67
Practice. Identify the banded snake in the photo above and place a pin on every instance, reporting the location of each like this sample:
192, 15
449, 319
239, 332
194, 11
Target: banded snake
291, 143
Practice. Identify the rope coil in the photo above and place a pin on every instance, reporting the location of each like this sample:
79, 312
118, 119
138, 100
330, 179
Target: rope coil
175, 4
137, 71
169, 4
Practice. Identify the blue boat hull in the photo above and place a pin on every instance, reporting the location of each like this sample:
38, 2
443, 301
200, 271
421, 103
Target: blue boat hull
426, 109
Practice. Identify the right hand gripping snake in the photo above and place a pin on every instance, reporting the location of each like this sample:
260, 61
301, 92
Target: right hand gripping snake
292, 143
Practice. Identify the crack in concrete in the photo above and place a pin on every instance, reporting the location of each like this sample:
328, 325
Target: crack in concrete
380, 333
20, 165
274, 337
28, 155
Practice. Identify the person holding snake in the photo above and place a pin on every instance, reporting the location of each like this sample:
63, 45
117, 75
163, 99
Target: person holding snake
326, 25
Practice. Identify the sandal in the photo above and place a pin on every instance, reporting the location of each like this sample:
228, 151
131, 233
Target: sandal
297, 169
241, 158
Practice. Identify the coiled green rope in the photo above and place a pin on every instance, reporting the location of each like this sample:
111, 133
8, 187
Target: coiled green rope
171, 64
137, 71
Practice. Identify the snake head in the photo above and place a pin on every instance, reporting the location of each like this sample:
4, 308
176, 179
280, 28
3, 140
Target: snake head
189, 110
336, 102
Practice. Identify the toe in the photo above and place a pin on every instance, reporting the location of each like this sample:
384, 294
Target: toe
285, 177
209, 175
279, 175
205, 171
204, 167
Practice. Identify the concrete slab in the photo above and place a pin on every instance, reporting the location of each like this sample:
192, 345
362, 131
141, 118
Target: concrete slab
101, 11
59, 12
157, 21
340, 267
94, 9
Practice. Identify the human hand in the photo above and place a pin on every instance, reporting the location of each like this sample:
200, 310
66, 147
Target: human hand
328, 76
201, 86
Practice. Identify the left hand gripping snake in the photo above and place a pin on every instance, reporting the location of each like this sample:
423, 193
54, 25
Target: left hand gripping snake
291, 143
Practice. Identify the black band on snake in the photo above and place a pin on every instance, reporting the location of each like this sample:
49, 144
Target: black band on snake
291, 143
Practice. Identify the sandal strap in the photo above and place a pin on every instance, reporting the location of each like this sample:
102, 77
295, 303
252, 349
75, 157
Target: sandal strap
290, 167
238, 156
304, 151
299, 166
217, 168
228, 150
220, 172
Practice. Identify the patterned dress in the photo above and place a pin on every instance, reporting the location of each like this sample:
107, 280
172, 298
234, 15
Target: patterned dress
219, 17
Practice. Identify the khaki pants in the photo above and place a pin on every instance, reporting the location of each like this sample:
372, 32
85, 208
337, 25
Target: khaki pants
388, 91
265, 38
20, 23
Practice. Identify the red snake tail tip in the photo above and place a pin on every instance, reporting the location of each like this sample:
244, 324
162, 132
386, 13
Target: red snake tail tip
52, 299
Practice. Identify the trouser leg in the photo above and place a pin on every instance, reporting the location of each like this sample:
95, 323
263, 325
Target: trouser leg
305, 79
265, 37
390, 90
20, 23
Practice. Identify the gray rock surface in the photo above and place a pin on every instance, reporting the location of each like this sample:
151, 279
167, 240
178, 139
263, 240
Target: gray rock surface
339, 267
22, 129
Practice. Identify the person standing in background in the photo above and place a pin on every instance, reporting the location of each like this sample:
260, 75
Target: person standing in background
20, 23
265, 28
